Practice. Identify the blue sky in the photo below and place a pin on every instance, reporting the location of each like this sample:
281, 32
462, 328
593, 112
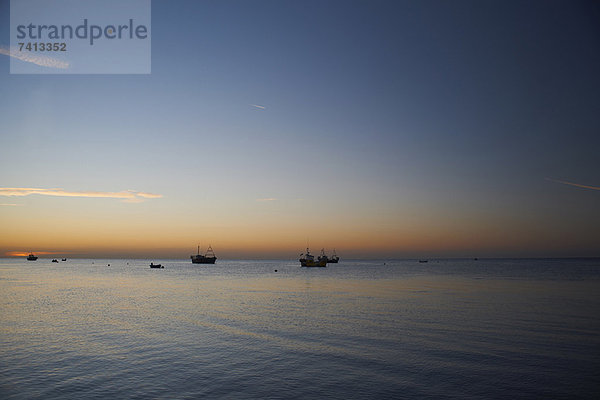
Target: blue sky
444, 122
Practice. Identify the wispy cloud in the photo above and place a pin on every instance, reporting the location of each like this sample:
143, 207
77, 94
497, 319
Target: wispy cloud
130, 196
257, 106
43, 60
10, 204
267, 199
573, 184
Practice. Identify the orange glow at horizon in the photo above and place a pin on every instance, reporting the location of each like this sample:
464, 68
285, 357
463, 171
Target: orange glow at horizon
25, 254
48, 225
275, 242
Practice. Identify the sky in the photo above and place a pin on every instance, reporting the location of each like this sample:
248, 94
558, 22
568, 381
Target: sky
383, 129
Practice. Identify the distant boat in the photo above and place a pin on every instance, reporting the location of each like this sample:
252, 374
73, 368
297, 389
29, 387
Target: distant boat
152, 265
64, 259
208, 257
423, 261
323, 256
308, 260
334, 258
55, 260
31, 257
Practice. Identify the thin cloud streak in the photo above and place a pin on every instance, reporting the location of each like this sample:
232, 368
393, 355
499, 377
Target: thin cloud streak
257, 106
267, 199
10, 205
44, 61
573, 184
130, 196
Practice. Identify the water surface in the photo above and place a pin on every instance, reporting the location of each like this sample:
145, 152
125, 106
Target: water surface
358, 329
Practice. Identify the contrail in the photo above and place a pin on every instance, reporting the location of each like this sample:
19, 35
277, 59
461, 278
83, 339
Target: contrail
44, 61
573, 184
257, 106
131, 196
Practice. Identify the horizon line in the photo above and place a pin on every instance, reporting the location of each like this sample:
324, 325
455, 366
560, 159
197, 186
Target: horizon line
347, 259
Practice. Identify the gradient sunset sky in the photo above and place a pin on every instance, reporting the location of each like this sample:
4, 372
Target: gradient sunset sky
379, 128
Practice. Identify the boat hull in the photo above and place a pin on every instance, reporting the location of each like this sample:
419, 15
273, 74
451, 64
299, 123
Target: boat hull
203, 260
312, 263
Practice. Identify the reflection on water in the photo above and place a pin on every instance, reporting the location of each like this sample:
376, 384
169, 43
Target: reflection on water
492, 328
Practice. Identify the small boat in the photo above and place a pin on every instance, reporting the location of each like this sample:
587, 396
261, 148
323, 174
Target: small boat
323, 256
308, 260
64, 259
31, 257
423, 261
54, 260
334, 258
152, 265
208, 257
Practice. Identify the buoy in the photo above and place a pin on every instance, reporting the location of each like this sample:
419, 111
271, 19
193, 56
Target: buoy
275, 270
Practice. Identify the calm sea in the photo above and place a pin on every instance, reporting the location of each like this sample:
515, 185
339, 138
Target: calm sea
479, 329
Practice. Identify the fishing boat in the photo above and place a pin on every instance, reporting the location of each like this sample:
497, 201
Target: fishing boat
308, 260
31, 257
54, 260
64, 259
323, 256
208, 257
152, 265
334, 258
